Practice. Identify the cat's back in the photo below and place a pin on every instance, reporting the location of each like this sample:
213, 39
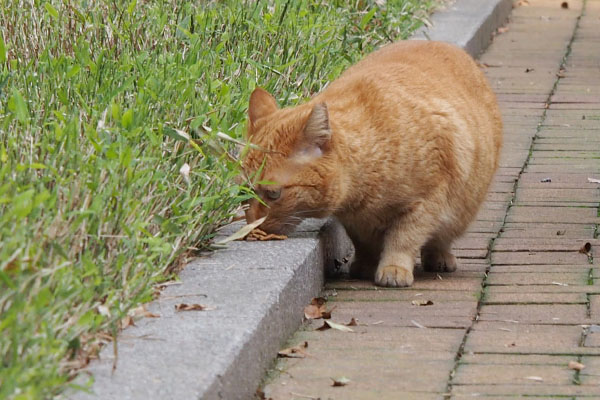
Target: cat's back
436, 68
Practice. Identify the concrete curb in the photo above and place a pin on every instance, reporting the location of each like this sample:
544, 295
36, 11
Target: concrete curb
258, 289
468, 24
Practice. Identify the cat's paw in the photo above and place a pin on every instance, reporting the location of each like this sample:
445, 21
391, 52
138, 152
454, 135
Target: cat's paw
439, 262
360, 269
393, 276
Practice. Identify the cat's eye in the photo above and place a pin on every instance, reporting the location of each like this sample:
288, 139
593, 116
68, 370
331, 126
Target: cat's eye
273, 194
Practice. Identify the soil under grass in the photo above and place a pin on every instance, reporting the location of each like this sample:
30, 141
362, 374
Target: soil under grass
94, 210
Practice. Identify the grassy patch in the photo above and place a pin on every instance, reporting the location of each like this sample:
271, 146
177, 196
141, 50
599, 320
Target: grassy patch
93, 207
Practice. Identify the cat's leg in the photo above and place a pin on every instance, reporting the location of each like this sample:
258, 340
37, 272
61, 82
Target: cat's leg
367, 249
437, 257
402, 242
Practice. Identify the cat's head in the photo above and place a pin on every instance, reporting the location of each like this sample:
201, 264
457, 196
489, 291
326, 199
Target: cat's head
291, 161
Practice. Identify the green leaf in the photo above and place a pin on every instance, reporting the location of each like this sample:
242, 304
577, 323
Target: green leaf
131, 7
127, 119
367, 18
51, 10
2, 50
73, 71
18, 106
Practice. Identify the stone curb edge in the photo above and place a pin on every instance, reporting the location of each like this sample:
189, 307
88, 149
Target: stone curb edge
180, 355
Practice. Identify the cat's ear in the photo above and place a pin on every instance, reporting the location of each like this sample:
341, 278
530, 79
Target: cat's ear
317, 131
261, 104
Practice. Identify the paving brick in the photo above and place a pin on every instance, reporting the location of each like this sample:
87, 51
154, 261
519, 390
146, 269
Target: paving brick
552, 289
515, 359
586, 195
536, 313
522, 338
533, 389
579, 278
590, 375
499, 374
553, 214
545, 258
406, 295
535, 298
556, 243
566, 231
402, 314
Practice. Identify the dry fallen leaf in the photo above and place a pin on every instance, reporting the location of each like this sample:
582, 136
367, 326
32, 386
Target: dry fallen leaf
103, 310
141, 312
535, 378
352, 322
564, 5
586, 248
593, 180
243, 232
341, 381
577, 366
192, 307
418, 325
561, 232
422, 303
330, 324
127, 321
260, 235
293, 352
317, 309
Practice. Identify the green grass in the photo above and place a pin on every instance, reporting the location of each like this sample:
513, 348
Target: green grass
93, 209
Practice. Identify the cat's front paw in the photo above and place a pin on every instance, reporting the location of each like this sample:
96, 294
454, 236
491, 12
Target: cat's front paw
439, 262
393, 276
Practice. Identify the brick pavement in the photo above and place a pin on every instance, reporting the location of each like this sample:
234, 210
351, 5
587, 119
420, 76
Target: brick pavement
524, 301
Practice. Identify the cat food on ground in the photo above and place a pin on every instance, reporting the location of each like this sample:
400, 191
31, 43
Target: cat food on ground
401, 149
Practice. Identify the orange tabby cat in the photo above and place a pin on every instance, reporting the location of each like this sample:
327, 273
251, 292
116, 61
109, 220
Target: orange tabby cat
401, 149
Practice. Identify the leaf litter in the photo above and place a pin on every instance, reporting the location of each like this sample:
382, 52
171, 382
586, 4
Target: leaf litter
327, 324
422, 303
341, 381
242, 232
294, 352
192, 307
317, 309
586, 249
577, 366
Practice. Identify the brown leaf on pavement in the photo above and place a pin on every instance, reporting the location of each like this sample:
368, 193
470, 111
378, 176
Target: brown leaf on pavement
141, 312
422, 303
127, 321
293, 352
341, 381
192, 307
330, 324
586, 248
243, 231
564, 5
317, 309
352, 322
577, 366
